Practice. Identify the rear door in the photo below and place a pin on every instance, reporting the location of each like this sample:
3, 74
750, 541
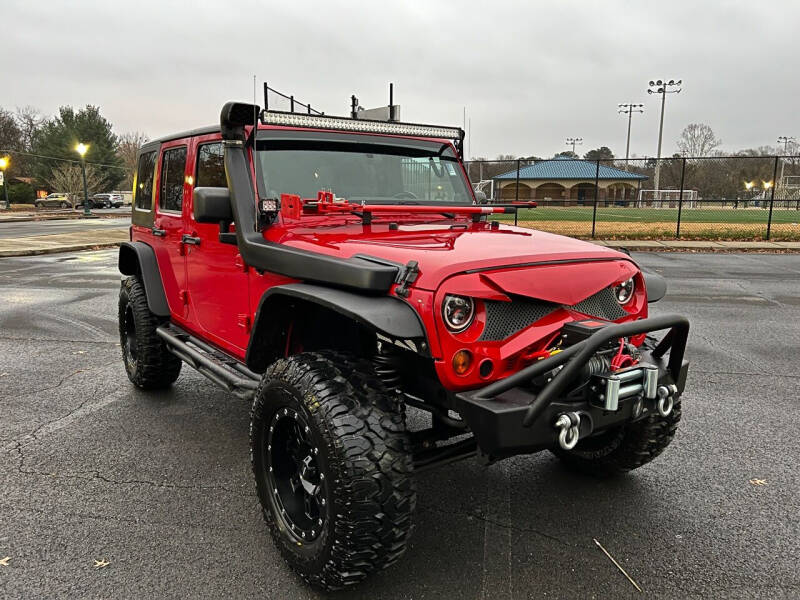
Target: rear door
217, 277
171, 191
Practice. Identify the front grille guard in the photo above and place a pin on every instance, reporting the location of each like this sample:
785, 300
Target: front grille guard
575, 357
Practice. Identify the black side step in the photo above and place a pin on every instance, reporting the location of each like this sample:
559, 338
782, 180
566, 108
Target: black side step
226, 372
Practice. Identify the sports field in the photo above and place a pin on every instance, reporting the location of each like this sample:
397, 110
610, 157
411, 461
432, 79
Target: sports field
659, 223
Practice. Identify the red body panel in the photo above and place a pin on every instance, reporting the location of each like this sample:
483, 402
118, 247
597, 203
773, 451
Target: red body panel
214, 295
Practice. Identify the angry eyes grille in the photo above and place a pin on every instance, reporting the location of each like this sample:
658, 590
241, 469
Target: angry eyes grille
504, 319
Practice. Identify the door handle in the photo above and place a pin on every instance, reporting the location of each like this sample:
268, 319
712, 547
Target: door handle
188, 239
158, 232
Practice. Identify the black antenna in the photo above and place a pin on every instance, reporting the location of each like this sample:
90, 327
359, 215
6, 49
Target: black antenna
391, 102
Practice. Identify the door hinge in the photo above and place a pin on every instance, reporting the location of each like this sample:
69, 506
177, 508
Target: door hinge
243, 321
238, 262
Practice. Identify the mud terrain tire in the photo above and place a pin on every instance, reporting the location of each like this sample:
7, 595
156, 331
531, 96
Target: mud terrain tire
350, 435
149, 364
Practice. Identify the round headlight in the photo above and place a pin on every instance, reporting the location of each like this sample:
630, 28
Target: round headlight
623, 292
458, 312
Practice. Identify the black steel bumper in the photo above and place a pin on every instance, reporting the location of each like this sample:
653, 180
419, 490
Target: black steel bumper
507, 418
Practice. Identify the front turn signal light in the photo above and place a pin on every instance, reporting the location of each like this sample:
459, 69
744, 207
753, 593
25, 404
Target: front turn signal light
462, 361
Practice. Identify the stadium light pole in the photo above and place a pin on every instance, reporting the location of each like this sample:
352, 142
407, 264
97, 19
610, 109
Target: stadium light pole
574, 142
628, 109
4, 162
82, 149
785, 140
663, 87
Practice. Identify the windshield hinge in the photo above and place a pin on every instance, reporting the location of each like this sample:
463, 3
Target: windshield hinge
407, 276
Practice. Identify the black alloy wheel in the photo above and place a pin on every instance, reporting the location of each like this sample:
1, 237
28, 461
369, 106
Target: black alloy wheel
296, 476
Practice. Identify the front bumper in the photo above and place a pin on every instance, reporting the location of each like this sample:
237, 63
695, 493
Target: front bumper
508, 418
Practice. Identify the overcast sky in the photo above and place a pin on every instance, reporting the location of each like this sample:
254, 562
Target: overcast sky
529, 73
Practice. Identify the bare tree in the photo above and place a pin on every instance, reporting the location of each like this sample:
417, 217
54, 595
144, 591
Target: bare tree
28, 119
67, 178
129, 144
698, 139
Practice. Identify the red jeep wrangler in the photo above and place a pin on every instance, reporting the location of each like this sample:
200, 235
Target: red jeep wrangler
335, 270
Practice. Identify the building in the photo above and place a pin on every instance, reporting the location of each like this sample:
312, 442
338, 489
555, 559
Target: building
567, 181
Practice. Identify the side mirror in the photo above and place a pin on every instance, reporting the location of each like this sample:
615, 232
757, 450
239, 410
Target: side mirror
212, 205
656, 286
480, 197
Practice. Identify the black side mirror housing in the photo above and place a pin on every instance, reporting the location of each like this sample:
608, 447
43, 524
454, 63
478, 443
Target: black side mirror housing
656, 286
212, 205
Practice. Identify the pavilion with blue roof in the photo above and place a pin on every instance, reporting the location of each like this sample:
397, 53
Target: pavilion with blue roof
565, 180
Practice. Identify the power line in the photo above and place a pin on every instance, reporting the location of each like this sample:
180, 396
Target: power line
61, 159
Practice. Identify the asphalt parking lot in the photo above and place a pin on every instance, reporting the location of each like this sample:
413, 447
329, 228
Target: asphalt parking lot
158, 486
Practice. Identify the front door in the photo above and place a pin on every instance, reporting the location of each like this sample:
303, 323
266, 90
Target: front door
218, 281
171, 188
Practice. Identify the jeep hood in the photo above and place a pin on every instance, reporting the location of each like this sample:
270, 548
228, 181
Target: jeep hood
498, 254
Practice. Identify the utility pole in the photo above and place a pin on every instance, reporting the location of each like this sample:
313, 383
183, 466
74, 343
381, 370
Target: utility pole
662, 87
574, 142
628, 109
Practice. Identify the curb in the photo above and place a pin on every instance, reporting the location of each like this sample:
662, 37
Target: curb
58, 249
26, 219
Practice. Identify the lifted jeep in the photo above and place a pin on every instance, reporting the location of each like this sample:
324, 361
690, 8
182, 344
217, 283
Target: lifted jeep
335, 270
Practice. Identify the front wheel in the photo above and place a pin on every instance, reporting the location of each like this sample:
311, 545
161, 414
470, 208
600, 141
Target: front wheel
333, 467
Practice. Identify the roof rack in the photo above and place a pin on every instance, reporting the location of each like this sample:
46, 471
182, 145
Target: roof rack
314, 119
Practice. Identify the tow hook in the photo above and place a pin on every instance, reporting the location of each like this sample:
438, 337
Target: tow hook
665, 399
569, 423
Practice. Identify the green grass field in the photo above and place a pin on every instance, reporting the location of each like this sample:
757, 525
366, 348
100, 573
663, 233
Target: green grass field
660, 223
658, 215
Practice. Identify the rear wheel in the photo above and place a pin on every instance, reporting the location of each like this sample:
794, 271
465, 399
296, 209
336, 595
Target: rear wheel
147, 361
333, 467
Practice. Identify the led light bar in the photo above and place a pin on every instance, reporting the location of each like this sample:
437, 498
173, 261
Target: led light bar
345, 124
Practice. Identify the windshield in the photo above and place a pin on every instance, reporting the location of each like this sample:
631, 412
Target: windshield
359, 173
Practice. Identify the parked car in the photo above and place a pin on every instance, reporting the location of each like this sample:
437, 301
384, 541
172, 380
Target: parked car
56, 199
104, 201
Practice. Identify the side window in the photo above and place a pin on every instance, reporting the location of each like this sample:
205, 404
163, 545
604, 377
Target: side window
173, 168
210, 167
144, 181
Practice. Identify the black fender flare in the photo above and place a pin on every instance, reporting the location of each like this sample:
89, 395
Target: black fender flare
387, 315
139, 259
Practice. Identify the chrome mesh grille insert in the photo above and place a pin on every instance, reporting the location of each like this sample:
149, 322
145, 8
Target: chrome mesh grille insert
602, 305
504, 319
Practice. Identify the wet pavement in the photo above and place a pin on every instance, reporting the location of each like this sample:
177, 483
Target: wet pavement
158, 485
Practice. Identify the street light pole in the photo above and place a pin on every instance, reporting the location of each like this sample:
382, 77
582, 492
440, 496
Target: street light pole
574, 142
4, 161
629, 109
81, 149
662, 87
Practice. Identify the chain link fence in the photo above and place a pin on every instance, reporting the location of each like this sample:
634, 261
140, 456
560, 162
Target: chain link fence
706, 198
